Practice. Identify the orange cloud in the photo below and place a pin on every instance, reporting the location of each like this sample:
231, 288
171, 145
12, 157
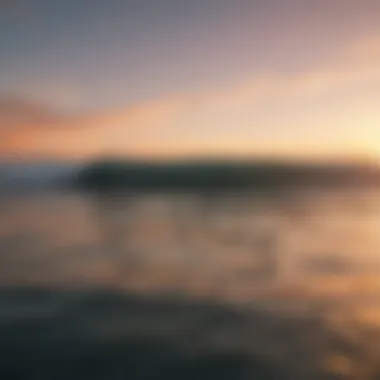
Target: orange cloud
213, 121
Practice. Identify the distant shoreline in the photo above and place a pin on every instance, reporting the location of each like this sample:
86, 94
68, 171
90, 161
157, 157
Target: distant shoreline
215, 176
110, 175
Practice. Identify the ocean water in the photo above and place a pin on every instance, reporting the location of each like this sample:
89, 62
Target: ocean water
249, 285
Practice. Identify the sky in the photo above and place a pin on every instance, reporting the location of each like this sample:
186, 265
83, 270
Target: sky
171, 78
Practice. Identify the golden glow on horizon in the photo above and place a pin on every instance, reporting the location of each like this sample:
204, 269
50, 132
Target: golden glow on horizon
316, 113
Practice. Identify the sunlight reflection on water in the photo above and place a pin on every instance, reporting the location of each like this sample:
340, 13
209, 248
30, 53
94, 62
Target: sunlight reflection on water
308, 254
309, 242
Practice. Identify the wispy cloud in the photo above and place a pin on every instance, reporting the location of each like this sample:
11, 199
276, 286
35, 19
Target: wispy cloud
187, 121
16, 114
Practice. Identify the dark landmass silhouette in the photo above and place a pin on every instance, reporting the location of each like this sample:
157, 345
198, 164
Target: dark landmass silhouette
221, 176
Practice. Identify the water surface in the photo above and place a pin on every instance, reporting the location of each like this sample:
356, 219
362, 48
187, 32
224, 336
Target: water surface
302, 256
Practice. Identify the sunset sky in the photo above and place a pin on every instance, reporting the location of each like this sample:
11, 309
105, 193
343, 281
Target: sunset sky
173, 78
